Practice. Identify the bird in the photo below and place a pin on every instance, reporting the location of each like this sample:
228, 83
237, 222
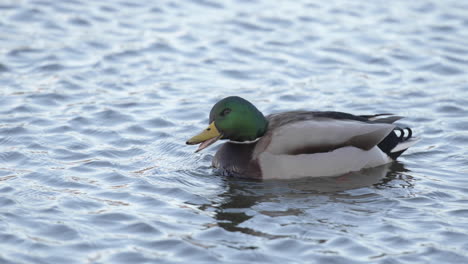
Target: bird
297, 144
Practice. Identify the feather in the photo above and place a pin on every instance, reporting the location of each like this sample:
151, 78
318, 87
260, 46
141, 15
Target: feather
337, 162
325, 134
404, 145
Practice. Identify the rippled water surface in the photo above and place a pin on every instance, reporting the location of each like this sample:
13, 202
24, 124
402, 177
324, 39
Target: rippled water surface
98, 98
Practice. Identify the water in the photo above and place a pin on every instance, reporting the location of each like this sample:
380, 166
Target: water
99, 97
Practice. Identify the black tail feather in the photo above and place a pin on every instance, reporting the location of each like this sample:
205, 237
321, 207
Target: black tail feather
392, 140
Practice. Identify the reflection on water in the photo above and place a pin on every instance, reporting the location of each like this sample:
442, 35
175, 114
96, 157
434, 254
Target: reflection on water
98, 98
241, 194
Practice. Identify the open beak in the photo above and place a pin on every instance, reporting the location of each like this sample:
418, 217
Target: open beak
207, 137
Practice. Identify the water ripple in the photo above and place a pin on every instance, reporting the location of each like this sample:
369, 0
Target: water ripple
98, 99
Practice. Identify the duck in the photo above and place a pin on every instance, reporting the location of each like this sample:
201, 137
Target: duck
298, 144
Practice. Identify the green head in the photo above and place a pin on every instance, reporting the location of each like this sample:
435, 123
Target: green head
237, 119
232, 118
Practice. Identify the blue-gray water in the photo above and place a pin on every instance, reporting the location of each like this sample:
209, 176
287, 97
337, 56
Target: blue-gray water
98, 98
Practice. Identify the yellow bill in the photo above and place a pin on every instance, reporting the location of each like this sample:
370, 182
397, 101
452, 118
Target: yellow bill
207, 137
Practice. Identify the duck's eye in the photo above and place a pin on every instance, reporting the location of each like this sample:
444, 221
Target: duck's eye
225, 112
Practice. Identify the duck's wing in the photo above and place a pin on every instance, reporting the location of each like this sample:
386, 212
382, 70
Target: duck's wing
302, 132
382, 118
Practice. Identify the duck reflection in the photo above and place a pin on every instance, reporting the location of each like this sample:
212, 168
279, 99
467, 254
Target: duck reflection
241, 194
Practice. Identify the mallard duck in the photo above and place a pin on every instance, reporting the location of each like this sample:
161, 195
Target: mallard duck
299, 143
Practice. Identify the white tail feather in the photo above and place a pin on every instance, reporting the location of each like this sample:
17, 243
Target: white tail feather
404, 145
